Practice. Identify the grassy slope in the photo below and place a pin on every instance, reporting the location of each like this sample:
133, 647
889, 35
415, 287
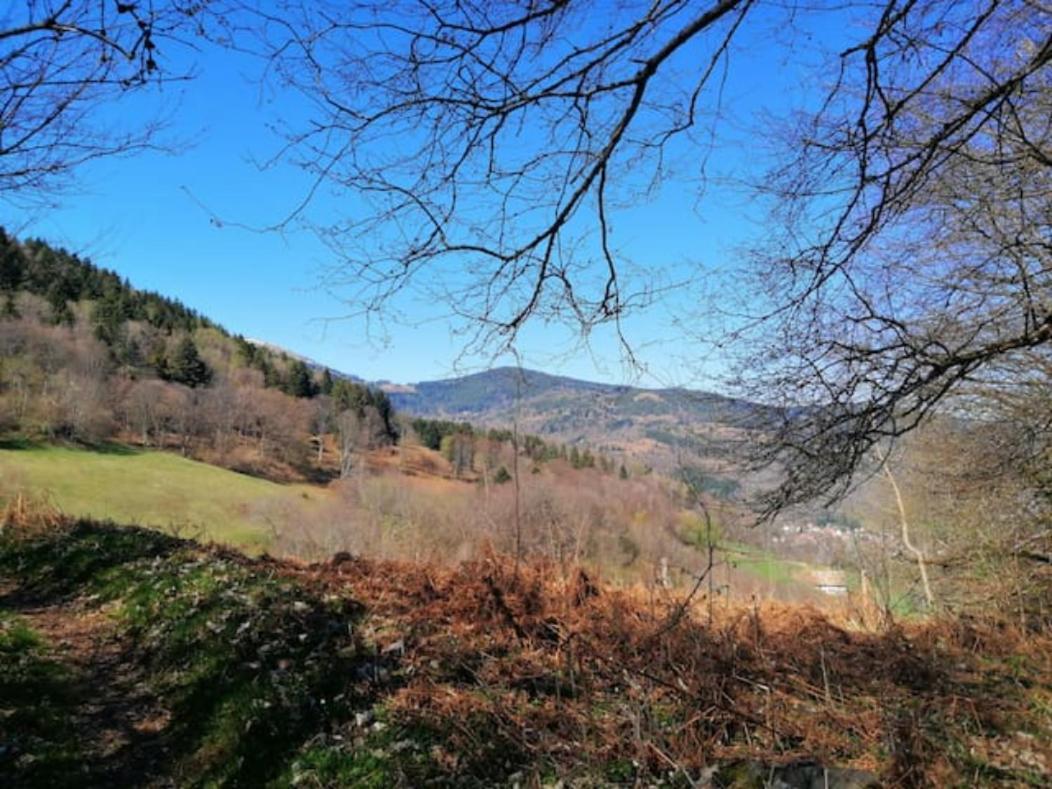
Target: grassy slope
156, 489
234, 664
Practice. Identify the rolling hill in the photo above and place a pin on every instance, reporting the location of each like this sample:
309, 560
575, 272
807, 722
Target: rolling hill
658, 427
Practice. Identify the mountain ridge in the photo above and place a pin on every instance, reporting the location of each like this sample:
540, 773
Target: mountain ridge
658, 427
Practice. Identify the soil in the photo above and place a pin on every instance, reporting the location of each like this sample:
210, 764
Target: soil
120, 722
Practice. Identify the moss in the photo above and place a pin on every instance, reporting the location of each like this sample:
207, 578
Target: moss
37, 735
249, 663
620, 771
390, 754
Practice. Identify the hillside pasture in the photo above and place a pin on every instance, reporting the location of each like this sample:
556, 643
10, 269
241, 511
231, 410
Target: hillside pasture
156, 489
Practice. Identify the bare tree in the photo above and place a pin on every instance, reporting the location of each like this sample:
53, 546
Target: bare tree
63, 61
356, 432
492, 139
904, 524
142, 407
495, 142
914, 255
321, 423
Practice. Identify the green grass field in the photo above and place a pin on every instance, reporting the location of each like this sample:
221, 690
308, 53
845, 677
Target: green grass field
150, 488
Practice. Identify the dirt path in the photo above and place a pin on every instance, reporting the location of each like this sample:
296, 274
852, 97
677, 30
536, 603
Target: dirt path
120, 723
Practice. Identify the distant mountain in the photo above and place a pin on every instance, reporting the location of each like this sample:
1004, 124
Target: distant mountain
660, 427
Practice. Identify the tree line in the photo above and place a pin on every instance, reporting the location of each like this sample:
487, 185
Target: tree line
461, 443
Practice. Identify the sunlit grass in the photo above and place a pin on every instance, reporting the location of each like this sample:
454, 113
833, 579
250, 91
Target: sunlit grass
156, 489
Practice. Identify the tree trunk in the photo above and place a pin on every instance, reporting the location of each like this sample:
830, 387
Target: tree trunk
904, 523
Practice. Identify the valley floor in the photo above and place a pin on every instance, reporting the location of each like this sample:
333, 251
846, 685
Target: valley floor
132, 658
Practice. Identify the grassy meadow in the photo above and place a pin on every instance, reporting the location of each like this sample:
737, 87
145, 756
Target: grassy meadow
151, 488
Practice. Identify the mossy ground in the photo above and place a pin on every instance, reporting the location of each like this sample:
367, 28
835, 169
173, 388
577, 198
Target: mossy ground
35, 695
242, 665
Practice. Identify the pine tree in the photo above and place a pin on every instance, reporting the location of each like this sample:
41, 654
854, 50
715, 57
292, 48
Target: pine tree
11, 272
299, 382
325, 387
109, 316
186, 366
130, 353
60, 309
624, 472
271, 376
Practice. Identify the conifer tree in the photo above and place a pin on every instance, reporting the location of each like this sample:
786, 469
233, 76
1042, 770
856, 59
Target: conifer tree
186, 366
109, 316
10, 272
300, 383
325, 387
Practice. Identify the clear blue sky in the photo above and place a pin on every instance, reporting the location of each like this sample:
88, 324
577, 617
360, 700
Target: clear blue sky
147, 217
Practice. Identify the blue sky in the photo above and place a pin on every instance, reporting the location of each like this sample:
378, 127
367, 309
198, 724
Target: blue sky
149, 217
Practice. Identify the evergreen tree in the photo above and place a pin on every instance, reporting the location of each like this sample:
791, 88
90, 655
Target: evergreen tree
271, 376
10, 272
129, 353
325, 387
60, 310
382, 403
246, 351
428, 433
624, 472
186, 366
300, 383
109, 316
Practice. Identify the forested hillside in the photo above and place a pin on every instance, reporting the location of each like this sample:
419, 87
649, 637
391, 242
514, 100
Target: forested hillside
84, 356
661, 428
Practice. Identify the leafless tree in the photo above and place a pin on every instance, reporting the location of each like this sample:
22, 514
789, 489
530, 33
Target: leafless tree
913, 256
143, 409
322, 418
493, 144
491, 140
357, 432
63, 62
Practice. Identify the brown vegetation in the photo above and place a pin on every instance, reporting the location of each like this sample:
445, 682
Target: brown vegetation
406, 504
561, 670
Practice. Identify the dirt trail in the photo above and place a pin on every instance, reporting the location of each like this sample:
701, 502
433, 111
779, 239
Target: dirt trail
120, 722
